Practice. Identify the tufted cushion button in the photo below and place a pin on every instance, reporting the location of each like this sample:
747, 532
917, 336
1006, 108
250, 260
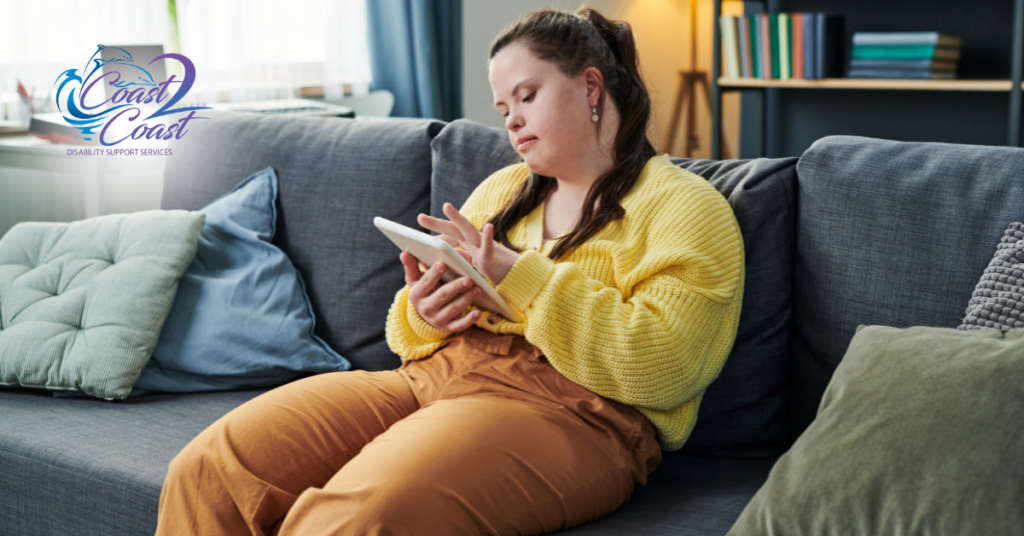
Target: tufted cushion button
493, 318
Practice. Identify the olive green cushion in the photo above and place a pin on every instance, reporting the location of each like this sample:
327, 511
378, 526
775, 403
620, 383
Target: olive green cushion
919, 432
82, 303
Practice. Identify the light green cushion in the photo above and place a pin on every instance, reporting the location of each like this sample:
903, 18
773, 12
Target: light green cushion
82, 303
920, 431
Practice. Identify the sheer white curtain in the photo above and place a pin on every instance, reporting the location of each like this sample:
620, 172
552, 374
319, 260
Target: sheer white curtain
242, 49
263, 49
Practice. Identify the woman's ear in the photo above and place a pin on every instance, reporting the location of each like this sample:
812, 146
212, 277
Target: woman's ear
594, 81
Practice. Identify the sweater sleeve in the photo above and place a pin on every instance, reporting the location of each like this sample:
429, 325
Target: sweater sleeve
661, 335
408, 335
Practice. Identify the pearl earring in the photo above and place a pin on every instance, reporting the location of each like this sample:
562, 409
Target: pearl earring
594, 117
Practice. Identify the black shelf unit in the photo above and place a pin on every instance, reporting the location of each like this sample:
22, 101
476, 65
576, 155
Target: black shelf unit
1014, 136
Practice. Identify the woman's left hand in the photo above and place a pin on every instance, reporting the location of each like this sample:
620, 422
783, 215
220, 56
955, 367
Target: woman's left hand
490, 258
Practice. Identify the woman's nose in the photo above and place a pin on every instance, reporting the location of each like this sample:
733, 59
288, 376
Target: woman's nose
513, 121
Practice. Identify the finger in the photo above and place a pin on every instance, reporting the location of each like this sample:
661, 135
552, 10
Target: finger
487, 250
440, 298
467, 230
425, 286
467, 320
452, 311
440, 225
451, 241
465, 255
412, 268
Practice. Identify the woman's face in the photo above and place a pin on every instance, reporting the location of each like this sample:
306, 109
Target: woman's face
541, 104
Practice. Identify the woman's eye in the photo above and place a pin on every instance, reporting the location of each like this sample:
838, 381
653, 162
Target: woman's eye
529, 97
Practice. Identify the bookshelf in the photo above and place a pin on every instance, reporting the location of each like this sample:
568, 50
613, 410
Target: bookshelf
1012, 86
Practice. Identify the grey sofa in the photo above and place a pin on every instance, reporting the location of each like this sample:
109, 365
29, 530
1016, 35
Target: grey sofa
855, 231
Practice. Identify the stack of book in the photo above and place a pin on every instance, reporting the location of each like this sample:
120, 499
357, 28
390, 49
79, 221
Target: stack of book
782, 46
918, 55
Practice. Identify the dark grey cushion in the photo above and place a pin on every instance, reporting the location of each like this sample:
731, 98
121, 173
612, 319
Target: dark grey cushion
465, 153
744, 412
93, 468
335, 175
998, 300
894, 234
89, 467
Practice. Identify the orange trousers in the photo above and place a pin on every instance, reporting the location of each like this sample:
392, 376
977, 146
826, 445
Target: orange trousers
482, 437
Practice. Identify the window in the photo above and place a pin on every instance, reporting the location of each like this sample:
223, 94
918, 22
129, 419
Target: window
242, 50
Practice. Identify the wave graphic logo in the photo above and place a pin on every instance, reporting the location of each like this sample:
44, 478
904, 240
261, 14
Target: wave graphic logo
135, 87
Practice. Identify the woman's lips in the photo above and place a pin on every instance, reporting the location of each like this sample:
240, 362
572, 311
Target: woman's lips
523, 146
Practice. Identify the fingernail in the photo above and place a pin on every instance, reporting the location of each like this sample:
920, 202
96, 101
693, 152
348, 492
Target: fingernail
466, 283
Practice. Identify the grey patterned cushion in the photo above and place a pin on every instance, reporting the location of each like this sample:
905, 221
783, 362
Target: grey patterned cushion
998, 300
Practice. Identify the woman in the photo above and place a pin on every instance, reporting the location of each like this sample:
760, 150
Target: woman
629, 272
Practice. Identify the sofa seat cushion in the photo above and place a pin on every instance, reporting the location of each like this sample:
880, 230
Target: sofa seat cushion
89, 467
92, 468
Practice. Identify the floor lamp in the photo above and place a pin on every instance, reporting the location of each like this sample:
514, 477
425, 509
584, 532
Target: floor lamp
686, 97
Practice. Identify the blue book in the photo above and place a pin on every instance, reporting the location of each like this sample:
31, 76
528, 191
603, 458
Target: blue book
809, 39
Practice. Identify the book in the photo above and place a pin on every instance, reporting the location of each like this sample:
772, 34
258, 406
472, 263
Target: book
809, 46
829, 45
730, 48
743, 34
755, 48
923, 74
904, 52
906, 38
766, 47
798, 45
935, 65
784, 47
773, 46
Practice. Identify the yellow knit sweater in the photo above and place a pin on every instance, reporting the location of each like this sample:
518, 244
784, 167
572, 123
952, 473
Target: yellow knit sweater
645, 312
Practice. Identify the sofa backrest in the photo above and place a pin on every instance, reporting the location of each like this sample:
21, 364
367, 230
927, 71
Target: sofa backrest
890, 233
335, 176
744, 412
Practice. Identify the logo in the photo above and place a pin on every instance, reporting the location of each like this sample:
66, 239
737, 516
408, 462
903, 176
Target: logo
137, 91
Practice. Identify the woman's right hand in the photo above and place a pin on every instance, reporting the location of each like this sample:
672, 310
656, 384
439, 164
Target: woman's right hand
440, 306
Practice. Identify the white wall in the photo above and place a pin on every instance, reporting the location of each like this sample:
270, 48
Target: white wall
482, 20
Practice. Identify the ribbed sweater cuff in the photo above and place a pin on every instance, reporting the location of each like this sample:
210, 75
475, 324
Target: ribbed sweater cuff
421, 327
523, 282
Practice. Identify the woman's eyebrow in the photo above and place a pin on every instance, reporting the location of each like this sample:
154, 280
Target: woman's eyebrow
516, 89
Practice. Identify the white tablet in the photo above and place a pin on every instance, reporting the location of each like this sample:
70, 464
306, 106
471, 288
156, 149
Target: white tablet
431, 249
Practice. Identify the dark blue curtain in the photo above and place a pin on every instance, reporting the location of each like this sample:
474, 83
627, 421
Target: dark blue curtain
416, 54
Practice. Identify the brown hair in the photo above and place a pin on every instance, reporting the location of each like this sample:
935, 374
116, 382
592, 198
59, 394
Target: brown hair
573, 42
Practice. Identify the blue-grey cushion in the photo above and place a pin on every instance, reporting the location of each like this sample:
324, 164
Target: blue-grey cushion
90, 468
744, 412
82, 303
335, 175
894, 234
241, 317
